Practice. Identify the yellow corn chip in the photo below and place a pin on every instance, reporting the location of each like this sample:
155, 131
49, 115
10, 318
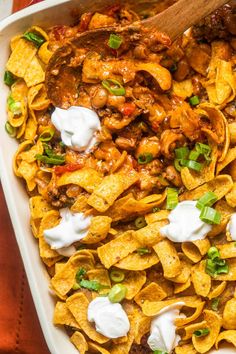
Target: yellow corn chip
225, 211
31, 127
37, 97
21, 57
102, 276
125, 347
81, 205
217, 291
28, 171
183, 89
34, 73
152, 292
190, 329
228, 250
168, 257
80, 342
196, 250
231, 275
185, 349
200, 279
50, 219
38, 207
150, 234
143, 327
45, 53
205, 343
231, 197
123, 246
179, 288
136, 262
18, 94
62, 316
134, 282
158, 216
229, 319
95, 348
86, 178
229, 336
184, 275
78, 306
98, 230
230, 156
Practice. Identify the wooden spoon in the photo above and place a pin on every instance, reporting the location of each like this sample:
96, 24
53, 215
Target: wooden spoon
62, 79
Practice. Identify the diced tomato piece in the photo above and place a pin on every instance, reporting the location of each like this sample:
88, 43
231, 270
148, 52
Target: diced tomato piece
70, 167
128, 109
84, 21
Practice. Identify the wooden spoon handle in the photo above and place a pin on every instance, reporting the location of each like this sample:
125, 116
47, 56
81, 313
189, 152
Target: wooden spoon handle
182, 15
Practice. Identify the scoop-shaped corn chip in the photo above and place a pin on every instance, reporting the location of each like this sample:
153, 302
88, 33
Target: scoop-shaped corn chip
168, 257
38, 207
80, 205
34, 225
143, 327
98, 229
205, 343
231, 275
225, 211
80, 342
160, 74
228, 250
183, 89
95, 348
179, 288
19, 95
64, 280
157, 216
28, 171
190, 329
220, 185
152, 292
184, 275
37, 97
31, 127
110, 188
62, 316
29, 155
231, 197
229, 336
125, 347
38, 30
118, 249
45, 53
101, 275
196, 250
21, 57
34, 73
230, 156
192, 179
49, 220
150, 234
134, 282
186, 349
78, 306
229, 314
217, 291
201, 280
134, 261
86, 178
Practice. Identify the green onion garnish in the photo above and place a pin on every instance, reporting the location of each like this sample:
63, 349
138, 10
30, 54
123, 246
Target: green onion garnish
213, 253
93, 285
194, 100
215, 303
53, 160
142, 251
47, 135
177, 164
194, 165
208, 199
34, 38
201, 332
182, 153
115, 41
80, 273
140, 222
117, 293
117, 276
10, 130
14, 106
194, 155
159, 352
145, 158
114, 87
9, 78
203, 149
210, 216
172, 198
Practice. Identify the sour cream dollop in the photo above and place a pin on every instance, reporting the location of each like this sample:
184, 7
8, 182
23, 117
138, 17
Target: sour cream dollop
110, 319
185, 223
231, 227
162, 334
78, 126
72, 227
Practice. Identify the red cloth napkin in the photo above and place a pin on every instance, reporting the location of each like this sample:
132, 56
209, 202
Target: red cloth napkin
20, 331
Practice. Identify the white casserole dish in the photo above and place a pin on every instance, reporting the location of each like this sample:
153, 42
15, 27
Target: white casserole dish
47, 13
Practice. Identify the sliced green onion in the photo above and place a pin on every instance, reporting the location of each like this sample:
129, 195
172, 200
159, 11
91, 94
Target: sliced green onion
194, 100
213, 253
194, 155
172, 198
115, 41
80, 273
14, 106
76, 286
10, 130
155, 209
215, 303
142, 251
203, 149
47, 135
201, 332
210, 216
34, 38
208, 199
145, 158
117, 276
117, 293
215, 267
224, 269
140, 222
93, 285
54, 160
211, 268
194, 165
177, 164
159, 352
114, 87
9, 78
182, 153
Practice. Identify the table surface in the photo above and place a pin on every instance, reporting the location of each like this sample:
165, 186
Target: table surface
19, 325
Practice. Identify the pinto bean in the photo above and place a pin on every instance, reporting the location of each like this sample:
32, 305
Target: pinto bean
182, 70
173, 176
99, 98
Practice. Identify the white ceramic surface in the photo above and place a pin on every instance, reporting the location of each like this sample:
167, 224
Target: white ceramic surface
5, 8
49, 12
